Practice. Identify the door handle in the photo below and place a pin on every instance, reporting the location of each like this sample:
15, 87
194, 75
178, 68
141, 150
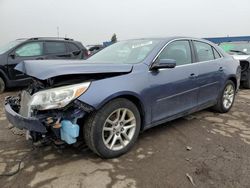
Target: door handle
221, 69
193, 76
39, 58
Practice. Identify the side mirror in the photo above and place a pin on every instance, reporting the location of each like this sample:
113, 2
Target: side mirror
13, 55
164, 64
75, 53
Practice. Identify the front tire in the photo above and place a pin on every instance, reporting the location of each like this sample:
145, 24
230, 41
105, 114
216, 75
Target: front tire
226, 98
113, 130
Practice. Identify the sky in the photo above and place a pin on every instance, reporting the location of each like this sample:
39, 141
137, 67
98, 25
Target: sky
95, 21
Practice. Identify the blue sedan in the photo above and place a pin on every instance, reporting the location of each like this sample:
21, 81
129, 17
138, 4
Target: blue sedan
122, 90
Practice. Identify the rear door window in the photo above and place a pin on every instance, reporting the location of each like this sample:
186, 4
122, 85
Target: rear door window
179, 51
73, 47
204, 51
30, 49
55, 48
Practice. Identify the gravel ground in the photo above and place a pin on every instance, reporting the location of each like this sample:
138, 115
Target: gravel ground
204, 149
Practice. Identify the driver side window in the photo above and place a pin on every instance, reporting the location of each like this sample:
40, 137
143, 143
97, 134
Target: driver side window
179, 51
30, 49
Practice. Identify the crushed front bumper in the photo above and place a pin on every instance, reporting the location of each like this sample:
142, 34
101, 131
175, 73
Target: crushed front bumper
29, 123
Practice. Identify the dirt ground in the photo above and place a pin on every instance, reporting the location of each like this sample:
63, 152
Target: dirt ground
205, 149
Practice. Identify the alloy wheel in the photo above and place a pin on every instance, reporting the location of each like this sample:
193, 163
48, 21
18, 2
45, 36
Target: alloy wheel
228, 96
119, 129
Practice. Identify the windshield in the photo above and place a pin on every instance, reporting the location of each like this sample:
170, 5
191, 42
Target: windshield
239, 48
8, 46
125, 52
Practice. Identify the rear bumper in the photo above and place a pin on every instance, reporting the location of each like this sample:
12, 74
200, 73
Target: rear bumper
29, 123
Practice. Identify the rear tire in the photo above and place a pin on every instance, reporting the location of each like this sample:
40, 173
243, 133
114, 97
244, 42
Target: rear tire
226, 98
113, 130
2, 85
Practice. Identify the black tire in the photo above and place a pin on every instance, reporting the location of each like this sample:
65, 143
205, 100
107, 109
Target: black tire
220, 107
93, 128
246, 84
2, 85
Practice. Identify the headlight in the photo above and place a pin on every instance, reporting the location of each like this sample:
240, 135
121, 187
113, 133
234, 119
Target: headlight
57, 97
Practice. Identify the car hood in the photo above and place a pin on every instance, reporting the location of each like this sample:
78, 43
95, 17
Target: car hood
241, 57
45, 69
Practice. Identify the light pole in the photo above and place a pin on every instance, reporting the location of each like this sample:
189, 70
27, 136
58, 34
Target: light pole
57, 31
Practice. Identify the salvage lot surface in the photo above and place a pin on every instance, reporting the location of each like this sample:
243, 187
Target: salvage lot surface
213, 149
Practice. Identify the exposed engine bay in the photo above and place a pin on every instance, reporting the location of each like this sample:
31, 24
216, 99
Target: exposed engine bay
52, 125
49, 109
58, 81
57, 125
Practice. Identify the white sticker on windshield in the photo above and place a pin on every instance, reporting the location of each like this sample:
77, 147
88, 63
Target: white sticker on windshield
142, 44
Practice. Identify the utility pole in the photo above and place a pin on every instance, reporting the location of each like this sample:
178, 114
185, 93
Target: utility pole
57, 28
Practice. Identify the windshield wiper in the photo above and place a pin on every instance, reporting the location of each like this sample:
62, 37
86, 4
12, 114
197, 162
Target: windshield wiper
238, 51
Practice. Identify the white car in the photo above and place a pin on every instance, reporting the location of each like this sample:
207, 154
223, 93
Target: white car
240, 51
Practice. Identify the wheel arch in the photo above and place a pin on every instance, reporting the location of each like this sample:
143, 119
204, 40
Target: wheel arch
234, 80
134, 98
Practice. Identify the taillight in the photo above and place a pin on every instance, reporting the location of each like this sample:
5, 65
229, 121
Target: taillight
86, 54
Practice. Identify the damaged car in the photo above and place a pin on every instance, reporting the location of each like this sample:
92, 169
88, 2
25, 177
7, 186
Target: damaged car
121, 91
240, 50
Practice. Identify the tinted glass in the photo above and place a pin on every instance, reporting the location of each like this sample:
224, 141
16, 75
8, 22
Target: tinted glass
127, 52
179, 51
204, 51
55, 47
216, 54
30, 49
73, 47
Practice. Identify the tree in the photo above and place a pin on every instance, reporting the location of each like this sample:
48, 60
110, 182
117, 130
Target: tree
113, 38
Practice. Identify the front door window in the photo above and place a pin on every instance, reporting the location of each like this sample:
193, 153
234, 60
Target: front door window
30, 49
179, 51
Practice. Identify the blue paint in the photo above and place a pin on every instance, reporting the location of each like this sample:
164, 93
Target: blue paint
44, 69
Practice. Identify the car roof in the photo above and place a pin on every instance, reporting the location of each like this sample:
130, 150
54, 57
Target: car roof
50, 38
46, 38
166, 39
